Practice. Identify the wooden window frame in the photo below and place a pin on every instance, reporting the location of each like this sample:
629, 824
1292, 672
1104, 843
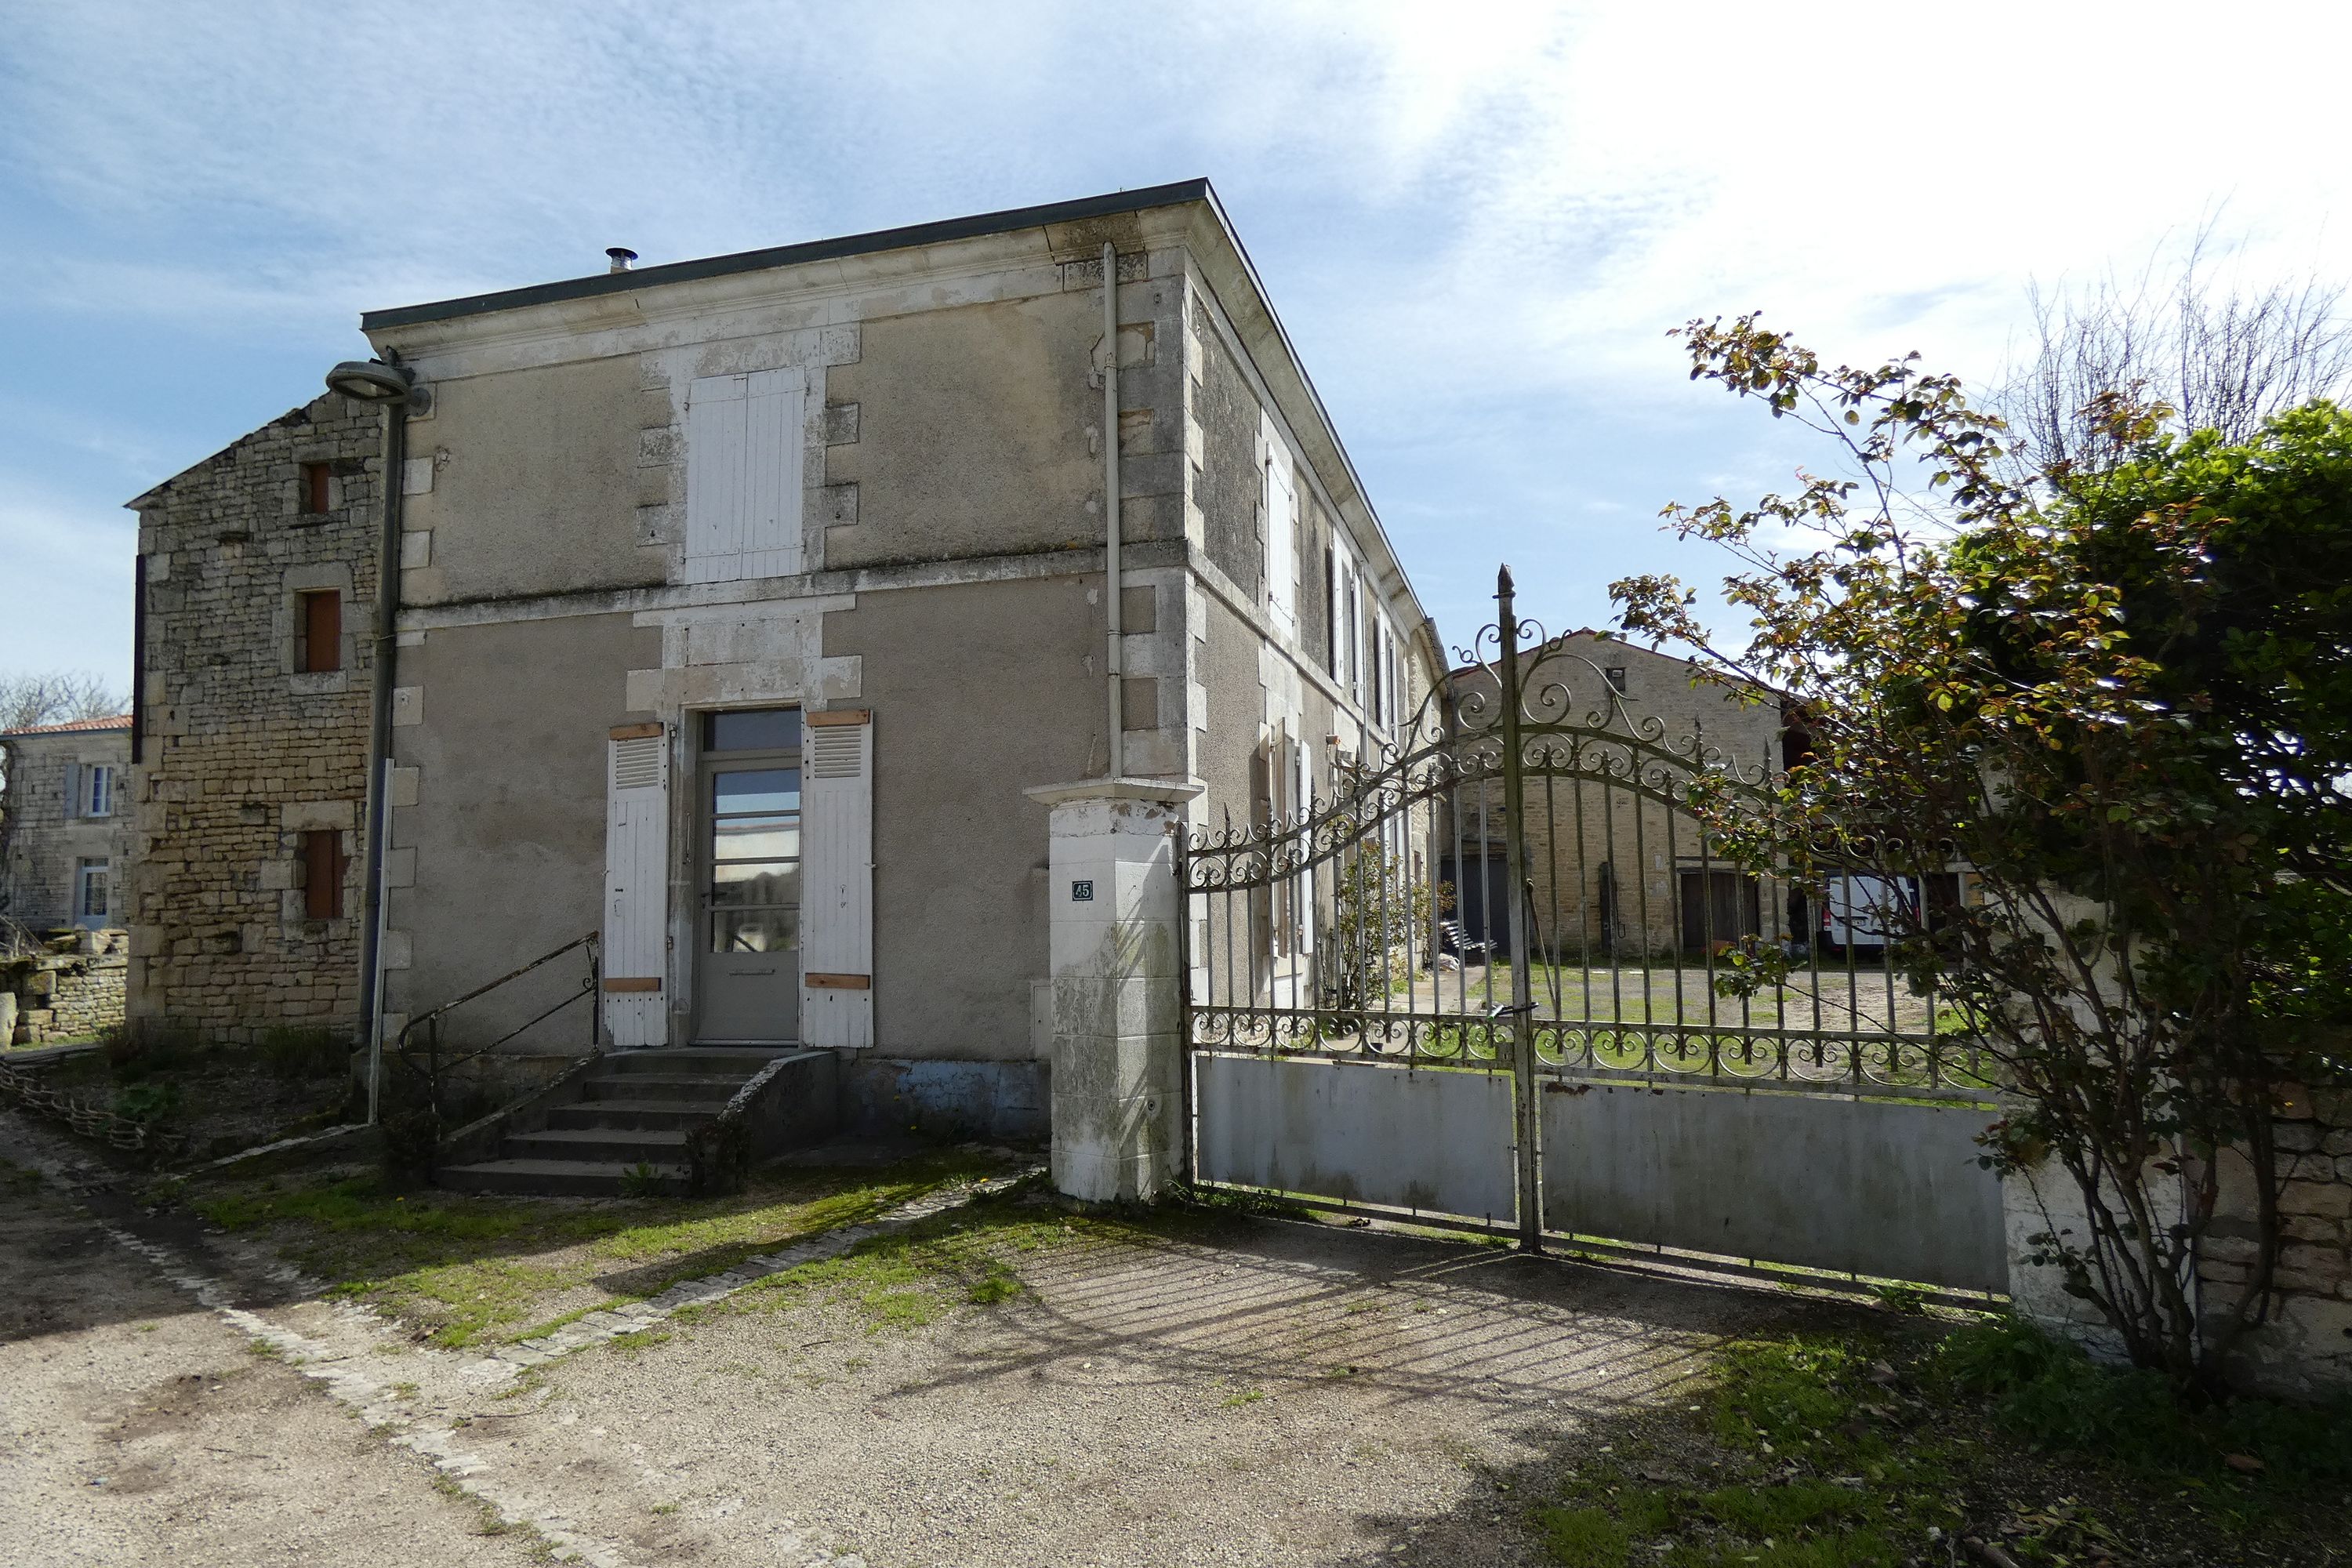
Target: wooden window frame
324, 864
311, 658
318, 488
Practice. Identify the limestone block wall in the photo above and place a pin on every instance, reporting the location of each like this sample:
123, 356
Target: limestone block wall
241, 753
53, 996
2303, 1348
2306, 1347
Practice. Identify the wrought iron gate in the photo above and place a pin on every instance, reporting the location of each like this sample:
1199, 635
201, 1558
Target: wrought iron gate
1360, 1032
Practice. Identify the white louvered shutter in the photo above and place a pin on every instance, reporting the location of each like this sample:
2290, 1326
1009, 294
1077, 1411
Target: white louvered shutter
838, 879
743, 476
1281, 533
637, 885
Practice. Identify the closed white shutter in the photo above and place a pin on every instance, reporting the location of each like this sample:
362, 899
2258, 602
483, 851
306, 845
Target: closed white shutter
637, 885
1304, 796
1281, 534
743, 476
73, 789
838, 879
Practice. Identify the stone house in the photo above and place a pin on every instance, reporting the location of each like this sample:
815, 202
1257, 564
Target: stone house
256, 569
65, 823
1613, 877
741, 604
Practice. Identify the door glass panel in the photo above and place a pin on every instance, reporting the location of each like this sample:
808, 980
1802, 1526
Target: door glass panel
753, 730
754, 931
757, 882
759, 838
756, 790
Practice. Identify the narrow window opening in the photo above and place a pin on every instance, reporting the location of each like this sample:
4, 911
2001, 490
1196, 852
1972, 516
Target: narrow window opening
323, 863
1616, 674
97, 792
316, 489
319, 637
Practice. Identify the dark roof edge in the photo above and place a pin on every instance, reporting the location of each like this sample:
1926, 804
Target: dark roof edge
913, 235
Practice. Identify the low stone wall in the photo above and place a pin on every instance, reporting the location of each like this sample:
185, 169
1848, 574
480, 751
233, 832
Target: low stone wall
69, 995
2303, 1348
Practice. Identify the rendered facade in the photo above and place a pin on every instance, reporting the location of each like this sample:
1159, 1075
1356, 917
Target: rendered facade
740, 602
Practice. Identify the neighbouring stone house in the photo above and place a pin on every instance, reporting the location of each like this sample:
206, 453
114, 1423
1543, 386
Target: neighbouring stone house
65, 823
741, 601
256, 569
1614, 874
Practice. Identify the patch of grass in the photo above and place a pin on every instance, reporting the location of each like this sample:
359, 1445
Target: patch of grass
476, 1269
1234, 1401
2054, 1397
1863, 1447
641, 1181
908, 1278
996, 1283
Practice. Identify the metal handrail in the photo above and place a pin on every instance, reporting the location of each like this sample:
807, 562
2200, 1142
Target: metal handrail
431, 1021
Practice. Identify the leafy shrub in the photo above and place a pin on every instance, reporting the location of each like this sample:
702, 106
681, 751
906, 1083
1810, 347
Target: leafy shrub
144, 1047
305, 1052
149, 1102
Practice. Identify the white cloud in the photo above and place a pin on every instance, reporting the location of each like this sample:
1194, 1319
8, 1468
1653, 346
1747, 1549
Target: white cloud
1461, 209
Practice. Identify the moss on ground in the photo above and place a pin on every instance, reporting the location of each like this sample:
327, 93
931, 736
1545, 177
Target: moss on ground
967, 1256
474, 1271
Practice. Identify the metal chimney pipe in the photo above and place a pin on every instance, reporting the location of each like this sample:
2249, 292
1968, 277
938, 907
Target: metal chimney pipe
622, 256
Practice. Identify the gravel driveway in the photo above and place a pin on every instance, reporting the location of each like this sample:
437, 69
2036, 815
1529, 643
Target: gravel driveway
1253, 1392
1223, 1390
136, 1426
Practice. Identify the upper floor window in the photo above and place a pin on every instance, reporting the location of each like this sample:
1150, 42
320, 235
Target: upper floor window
1616, 674
743, 450
318, 487
95, 796
319, 636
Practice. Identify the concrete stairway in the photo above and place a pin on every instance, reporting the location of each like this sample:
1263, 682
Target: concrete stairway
631, 1110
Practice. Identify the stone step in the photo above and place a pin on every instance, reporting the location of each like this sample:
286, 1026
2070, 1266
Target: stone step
626, 1146
740, 1060
661, 1085
558, 1178
618, 1114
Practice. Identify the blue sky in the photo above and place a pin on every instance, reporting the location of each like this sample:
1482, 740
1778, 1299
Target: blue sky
1478, 221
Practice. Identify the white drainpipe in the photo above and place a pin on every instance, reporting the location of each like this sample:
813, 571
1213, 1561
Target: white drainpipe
1117, 661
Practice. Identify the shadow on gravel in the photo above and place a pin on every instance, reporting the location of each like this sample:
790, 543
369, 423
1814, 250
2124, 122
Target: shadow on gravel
1182, 1297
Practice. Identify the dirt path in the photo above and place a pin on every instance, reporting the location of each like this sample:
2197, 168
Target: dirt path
1230, 1391
137, 1426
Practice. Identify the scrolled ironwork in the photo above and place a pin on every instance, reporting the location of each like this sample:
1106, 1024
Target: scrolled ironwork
1364, 923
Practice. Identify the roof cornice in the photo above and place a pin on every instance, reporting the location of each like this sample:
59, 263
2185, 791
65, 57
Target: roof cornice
910, 237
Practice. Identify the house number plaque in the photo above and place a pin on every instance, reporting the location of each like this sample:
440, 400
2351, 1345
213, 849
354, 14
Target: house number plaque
1082, 893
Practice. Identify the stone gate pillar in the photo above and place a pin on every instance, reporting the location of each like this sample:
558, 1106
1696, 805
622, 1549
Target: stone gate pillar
1118, 1060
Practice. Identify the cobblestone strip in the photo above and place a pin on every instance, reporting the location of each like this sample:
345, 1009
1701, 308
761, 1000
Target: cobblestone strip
603, 1327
